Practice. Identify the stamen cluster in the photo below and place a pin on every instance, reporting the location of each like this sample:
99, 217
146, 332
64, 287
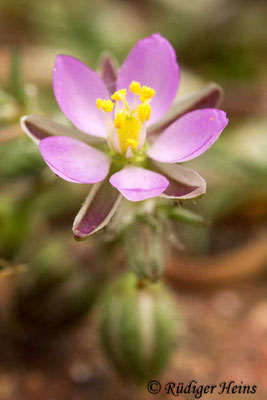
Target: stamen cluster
128, 122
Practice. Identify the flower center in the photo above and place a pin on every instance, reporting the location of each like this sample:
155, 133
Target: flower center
127, 132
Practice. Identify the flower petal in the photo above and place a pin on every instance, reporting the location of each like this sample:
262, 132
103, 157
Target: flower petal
38, 127
98, 209
208, 97
189, 136
74, 160
185, 183
138, 184
76, 88
152, 62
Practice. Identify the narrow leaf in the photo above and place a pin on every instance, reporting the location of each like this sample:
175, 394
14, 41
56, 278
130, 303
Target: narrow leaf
183, 215
15, 78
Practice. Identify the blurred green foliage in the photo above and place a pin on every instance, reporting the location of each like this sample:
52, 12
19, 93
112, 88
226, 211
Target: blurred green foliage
220, 38
19, 159
51, 295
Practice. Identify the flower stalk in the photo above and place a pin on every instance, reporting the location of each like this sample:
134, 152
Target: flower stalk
146, 249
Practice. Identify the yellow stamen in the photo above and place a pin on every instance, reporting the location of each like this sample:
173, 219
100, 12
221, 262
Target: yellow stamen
146, 93
135, 87
128, 122
143, 112
119, 95
105, 105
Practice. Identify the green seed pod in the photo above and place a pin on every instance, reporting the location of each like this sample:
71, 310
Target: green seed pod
137, 329
146, 250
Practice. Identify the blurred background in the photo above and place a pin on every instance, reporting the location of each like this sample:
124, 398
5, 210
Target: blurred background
218, 271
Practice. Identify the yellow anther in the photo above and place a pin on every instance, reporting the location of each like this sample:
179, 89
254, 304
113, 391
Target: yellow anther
106, 105
131, 143
119, 95
135, 87
143, 112
99, 103
146, 93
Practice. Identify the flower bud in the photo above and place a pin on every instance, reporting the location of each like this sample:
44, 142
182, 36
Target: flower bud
137, 328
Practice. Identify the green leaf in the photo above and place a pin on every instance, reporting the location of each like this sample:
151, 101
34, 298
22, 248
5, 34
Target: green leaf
184, 215
16, 84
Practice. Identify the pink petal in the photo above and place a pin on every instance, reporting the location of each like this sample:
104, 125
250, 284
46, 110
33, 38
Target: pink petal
152, 62
185, 183
138, 184
76, 88
74, 160
98, 209
189, 136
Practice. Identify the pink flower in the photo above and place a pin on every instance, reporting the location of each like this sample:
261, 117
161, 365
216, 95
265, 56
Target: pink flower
129, 159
